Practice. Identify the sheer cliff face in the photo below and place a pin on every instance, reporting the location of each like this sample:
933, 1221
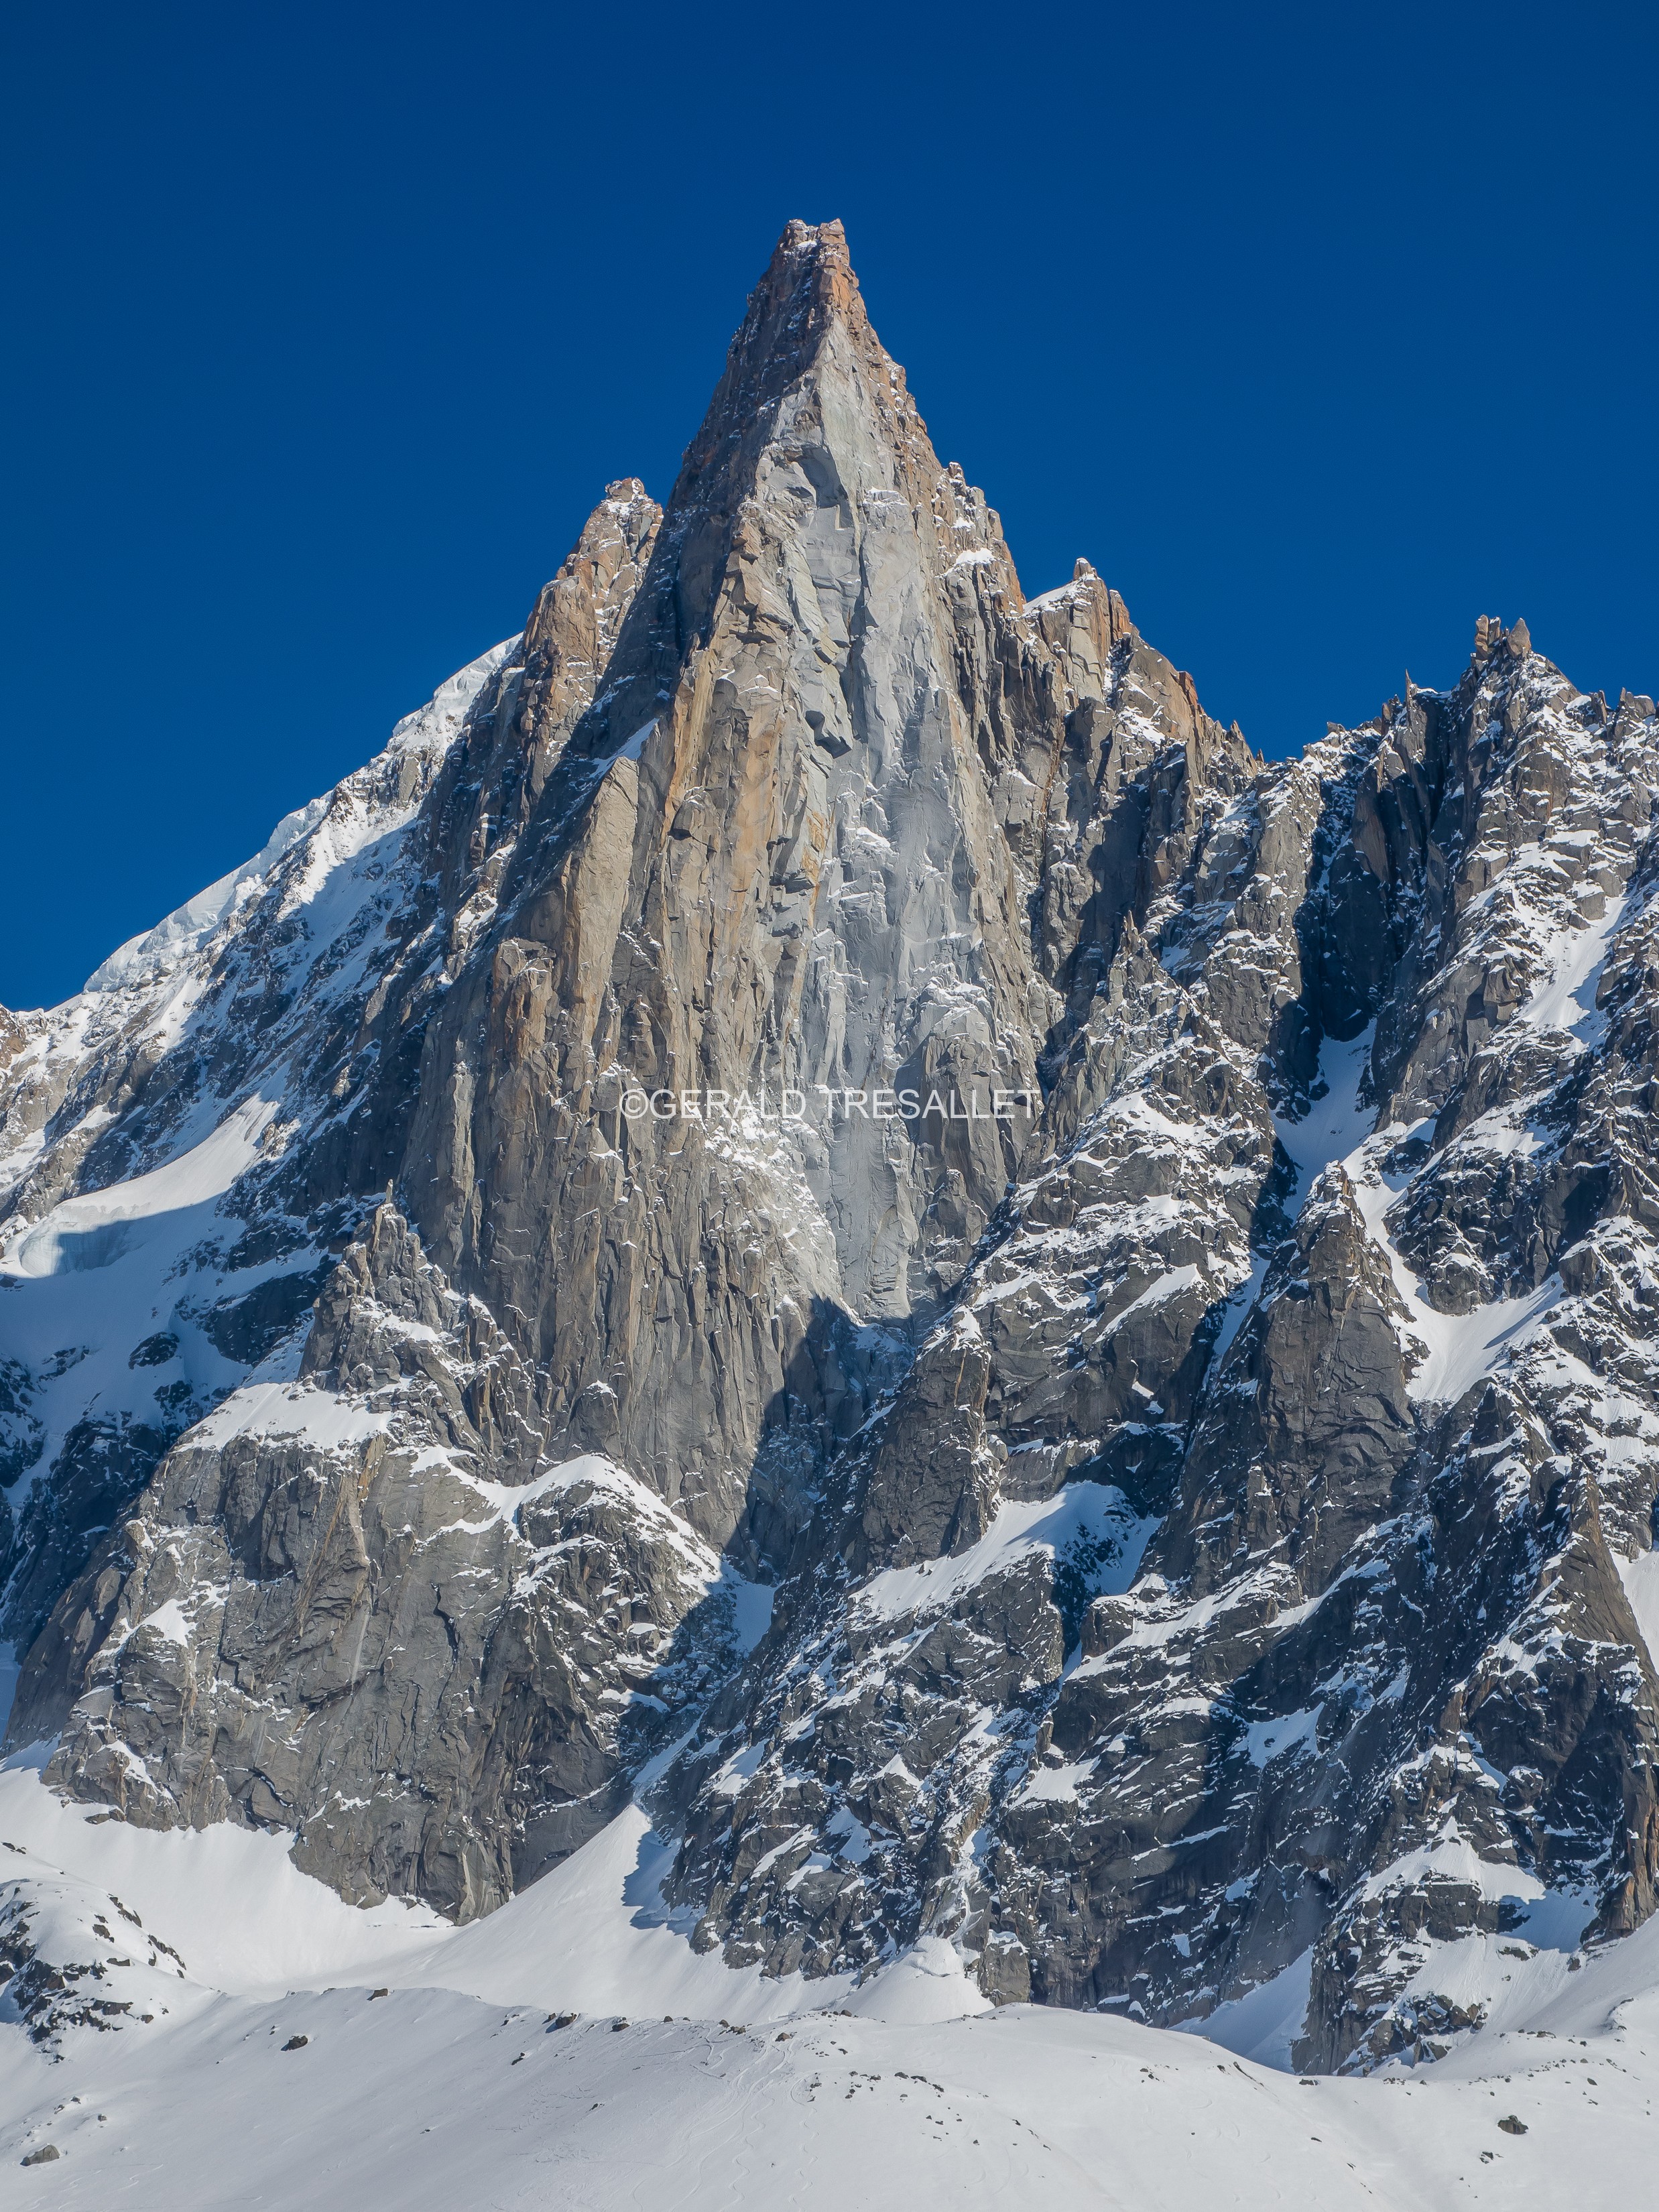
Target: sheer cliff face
766, 863
1200, 1463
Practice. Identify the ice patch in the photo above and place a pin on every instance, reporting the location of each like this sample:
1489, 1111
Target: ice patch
1269, 1740
95, 1230
1335, 1125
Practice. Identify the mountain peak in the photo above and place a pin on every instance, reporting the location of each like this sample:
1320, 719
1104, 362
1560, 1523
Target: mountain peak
885, 1103
824, 245
810, 261
807, 298
809, 413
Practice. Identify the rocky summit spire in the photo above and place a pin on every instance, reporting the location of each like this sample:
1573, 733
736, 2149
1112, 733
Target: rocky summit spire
767, 863
809, 406
809, 293
806, 325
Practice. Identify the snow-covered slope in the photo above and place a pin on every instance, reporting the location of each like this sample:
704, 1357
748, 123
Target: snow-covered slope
325, 2057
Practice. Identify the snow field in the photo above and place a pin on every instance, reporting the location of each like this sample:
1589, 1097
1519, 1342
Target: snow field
456, 2085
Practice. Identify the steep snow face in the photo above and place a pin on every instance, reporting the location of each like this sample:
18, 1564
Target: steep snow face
148, 1255
190, 928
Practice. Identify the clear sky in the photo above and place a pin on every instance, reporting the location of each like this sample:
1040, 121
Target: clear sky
1319, 329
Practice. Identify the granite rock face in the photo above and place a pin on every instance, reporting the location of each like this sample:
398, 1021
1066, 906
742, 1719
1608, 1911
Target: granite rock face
817, 1166
766, 866
325, 1613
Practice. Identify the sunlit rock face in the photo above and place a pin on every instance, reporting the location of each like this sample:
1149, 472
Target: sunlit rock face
817, 1195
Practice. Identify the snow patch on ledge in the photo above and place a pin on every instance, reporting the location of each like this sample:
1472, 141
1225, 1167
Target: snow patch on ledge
285, 1408
1095, 1514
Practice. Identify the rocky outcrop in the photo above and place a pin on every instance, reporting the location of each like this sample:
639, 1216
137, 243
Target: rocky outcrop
809, 1074
329, 1614
75, 1957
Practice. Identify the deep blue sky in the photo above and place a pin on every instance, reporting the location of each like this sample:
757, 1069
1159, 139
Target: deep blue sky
1319, 329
